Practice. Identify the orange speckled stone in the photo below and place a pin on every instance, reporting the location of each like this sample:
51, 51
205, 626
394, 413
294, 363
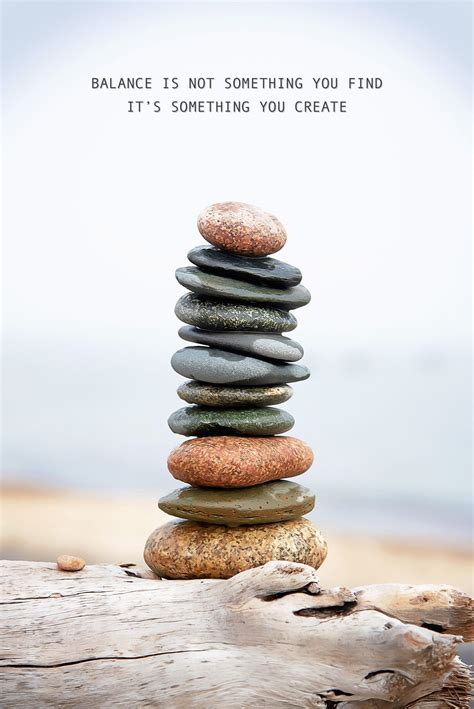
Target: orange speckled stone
234, 461
193, 550
66, 562
241, 229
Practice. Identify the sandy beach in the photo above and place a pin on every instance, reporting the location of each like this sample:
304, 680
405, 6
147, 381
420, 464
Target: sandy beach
39, 525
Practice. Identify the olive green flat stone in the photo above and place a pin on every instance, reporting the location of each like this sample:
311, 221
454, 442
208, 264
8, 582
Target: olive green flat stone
215, 286
213, 314
233, 396
277, 501
203, 421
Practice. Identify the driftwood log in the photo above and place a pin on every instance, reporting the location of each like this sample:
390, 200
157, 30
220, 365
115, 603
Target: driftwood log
109, 636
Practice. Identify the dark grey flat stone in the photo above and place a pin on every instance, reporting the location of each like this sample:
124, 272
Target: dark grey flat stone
204, 421
233, 396
266, 270
208, 364
213, 286
259, 344
275, 501
211, 314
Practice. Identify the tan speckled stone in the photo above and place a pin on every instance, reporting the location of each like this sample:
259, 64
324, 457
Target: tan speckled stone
235, 461
66, 562
187, 550
242, 229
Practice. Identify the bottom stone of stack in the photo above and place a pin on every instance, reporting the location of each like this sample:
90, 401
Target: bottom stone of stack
190, 550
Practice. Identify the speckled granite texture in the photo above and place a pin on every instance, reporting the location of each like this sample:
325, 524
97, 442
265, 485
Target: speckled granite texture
227, 315
235, 461
233, 396
188, 550
241, 228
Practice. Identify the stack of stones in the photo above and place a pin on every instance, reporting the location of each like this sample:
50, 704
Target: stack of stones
239, 511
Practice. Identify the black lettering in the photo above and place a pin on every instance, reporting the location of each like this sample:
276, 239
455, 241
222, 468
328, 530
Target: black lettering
173, 81
200, 82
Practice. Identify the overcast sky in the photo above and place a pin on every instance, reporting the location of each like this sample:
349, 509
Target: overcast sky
101, 204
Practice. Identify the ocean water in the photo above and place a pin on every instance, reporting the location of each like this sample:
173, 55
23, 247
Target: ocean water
391, 433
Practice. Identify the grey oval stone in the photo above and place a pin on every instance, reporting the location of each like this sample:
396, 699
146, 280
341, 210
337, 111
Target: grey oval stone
271, 346
212, 314
202, 421
256, 269
214, 286
208, 364
233, 396
276, 501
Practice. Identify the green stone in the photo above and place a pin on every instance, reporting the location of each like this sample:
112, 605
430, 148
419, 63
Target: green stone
277, 501
215, 286
229, 396
212, 314
202, 421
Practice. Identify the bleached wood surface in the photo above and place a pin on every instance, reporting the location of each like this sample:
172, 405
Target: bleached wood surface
269, 637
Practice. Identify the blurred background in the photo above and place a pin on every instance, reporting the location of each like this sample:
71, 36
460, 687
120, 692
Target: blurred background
100, 207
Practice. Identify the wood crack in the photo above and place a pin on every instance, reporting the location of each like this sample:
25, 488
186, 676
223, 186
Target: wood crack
58, 594
102, 658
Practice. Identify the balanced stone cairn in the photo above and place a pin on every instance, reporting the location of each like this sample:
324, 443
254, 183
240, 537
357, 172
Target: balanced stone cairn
239, 512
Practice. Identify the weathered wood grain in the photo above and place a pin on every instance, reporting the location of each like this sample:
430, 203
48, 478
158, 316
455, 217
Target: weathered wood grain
268, 637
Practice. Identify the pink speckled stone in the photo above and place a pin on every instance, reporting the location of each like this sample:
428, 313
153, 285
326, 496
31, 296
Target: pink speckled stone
238, 461
242, 229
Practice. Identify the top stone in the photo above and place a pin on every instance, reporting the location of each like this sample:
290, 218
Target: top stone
241, 229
